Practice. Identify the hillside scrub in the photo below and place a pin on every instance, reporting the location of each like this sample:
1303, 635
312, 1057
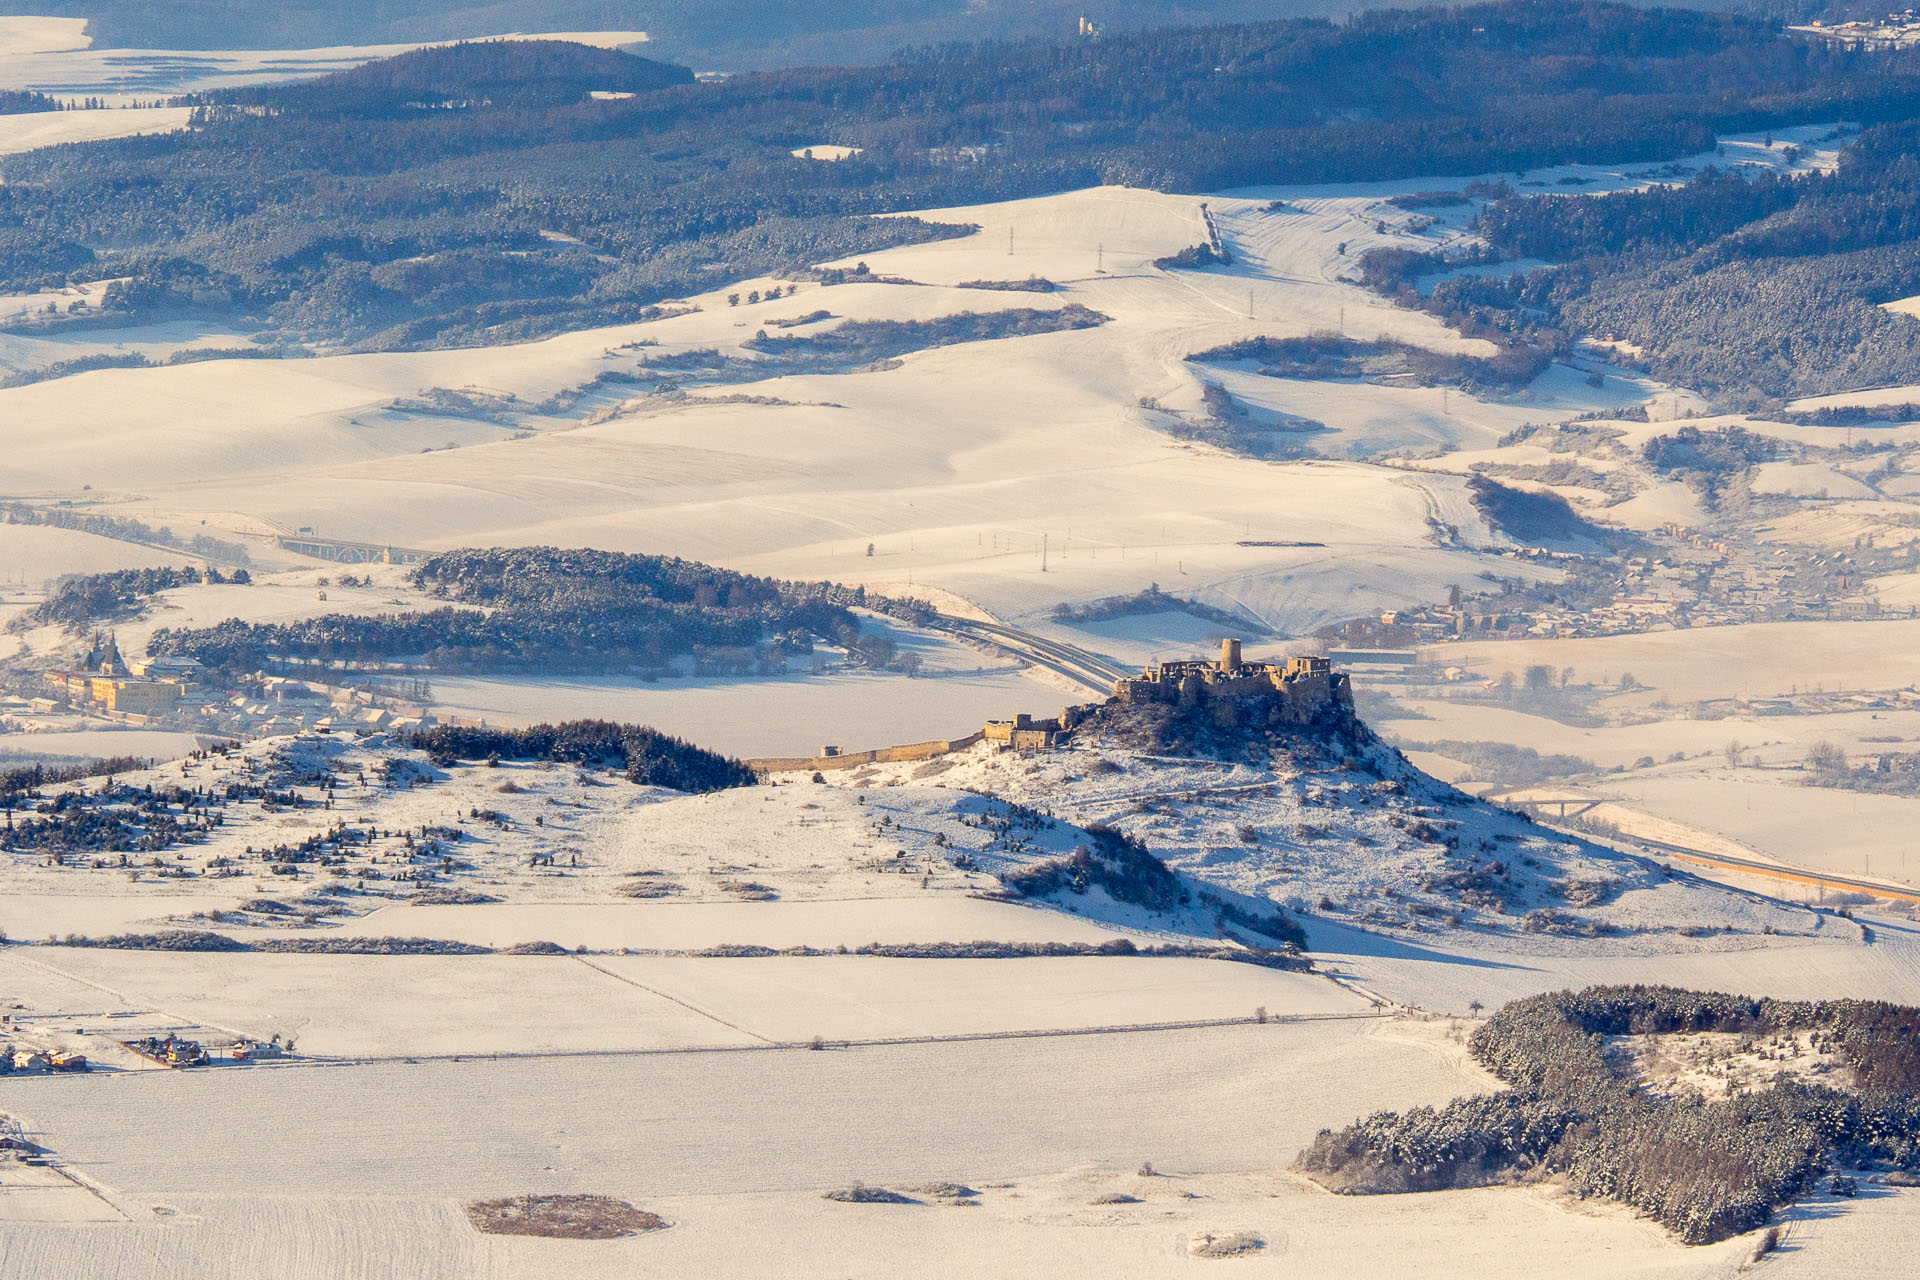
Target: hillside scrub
1191, 258
561, 1217
1324, 356
1708, 461
1230, 425
1891, 773
204, 940
1111, 861
1573, 1111
860, 342
165, 940
1032, 284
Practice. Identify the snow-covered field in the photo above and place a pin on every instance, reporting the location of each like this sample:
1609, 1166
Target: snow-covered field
56, 57
1823, 828
1448, 978
1660, 756
50, 128
30, 554
1753, 660
97, 744
734, 1150
709, 1123
1035, 1228
686, 1083
1004, 477
1774, 739
949, 473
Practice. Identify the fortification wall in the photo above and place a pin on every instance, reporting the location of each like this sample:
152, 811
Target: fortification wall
849, 759
1304, 687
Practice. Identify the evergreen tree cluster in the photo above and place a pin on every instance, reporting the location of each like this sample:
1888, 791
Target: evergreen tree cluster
649, 757
80, 602
550, 610
1705, 1169
1752, 289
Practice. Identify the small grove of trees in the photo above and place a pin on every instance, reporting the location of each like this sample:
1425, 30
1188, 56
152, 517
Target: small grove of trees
1708, 460
1112, 861
82, 601
1825, 760
16, 102
1322, 356
1509, 765
1703, 1169
1527, 515
649, 757
1884, 773
858, 342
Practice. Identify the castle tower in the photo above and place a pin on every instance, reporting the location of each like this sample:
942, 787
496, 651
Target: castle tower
1229, 656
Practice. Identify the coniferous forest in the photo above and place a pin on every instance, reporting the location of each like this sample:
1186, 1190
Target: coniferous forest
1750, 289
484, 193
553, 610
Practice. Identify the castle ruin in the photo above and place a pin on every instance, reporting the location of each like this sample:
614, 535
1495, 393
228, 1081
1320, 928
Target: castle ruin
1305, 685
1298, 691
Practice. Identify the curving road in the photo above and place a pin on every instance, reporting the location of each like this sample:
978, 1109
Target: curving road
1076, 664
1777, 871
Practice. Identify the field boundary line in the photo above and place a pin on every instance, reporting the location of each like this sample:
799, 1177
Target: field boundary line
768, 1046
691, 1008
779, 1046
137, 1006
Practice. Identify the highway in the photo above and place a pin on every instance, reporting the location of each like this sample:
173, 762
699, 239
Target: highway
1076, 664
1773, 870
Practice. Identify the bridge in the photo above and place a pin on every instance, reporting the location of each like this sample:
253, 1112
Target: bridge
1570, 805
1545, 803
340, 551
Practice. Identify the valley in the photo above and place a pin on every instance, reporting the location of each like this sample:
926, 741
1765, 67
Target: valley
1032, 659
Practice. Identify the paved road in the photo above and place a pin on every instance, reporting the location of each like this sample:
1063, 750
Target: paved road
1774, 870
1077, 664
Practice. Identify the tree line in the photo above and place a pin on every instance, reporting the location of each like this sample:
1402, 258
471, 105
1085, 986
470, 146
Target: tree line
647, 756
557, 610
